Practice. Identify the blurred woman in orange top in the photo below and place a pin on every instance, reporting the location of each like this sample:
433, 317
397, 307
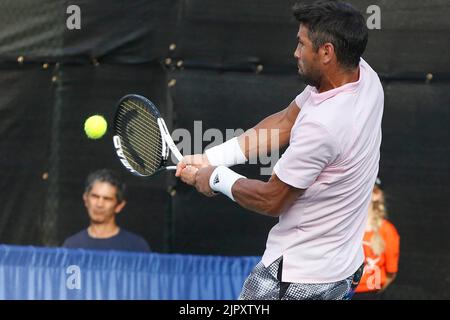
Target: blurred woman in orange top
381, 249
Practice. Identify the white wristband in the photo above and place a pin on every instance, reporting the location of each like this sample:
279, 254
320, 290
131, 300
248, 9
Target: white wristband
226, 154
222, 180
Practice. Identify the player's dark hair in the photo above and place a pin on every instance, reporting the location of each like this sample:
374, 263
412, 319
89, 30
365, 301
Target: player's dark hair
338, 23
109, 176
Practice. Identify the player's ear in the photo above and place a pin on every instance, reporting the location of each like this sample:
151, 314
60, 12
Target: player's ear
327, 52
120, 206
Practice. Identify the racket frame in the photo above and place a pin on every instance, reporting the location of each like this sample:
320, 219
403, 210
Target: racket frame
166, 140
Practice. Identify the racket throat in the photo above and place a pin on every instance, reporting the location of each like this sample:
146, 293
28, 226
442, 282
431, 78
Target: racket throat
166, 141
164, 131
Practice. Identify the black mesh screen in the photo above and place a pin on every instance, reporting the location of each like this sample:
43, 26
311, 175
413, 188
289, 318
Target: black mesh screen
231, 64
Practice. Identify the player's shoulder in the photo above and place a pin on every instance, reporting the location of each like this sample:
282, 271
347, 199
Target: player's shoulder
330, 117
364, 64
371, 77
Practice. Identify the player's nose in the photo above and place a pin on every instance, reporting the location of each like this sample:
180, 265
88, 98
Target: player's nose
297, 53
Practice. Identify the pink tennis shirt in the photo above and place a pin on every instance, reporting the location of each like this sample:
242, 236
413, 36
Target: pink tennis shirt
333, 153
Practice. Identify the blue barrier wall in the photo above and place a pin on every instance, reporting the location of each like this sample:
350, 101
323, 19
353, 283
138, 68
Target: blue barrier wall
58, 273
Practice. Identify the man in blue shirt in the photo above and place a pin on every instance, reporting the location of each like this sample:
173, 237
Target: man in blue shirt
104, 198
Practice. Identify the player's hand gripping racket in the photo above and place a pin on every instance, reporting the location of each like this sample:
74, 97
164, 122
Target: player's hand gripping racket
141, 138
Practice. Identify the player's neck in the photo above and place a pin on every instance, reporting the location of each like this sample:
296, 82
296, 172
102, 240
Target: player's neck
338, 78
102, 231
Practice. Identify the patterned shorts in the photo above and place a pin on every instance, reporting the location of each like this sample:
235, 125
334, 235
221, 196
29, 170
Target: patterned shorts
264, 284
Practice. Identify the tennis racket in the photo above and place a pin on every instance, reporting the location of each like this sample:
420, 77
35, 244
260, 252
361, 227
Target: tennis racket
141, 139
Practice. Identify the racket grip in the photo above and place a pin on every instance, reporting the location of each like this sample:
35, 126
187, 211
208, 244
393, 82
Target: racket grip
171, 168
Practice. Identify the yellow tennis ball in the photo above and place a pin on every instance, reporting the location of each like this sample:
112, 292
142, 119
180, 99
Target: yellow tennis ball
95, 126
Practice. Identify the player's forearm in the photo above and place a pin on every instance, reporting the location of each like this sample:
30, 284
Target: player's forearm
270, 198
270, 134
255, 196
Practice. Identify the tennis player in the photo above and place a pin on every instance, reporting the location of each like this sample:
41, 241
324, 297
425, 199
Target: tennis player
321, 186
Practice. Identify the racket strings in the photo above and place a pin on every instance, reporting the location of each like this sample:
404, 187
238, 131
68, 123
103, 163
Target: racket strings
141, 149
150, 120
147, 115
139, 142
143, 137
141, 145
143, 128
